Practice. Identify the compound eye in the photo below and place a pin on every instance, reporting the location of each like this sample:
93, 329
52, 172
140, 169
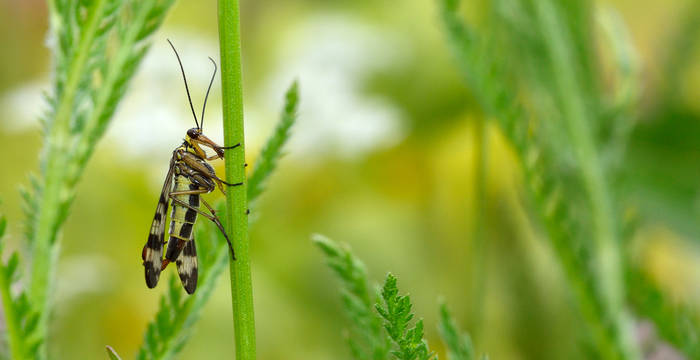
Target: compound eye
193, 133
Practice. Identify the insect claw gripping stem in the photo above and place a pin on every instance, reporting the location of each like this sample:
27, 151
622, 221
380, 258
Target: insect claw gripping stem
230, 249
230, 147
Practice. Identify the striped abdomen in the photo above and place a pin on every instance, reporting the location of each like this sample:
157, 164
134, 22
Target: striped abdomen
182, 219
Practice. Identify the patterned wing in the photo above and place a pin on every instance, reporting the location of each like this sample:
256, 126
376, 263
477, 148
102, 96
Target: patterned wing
187, 267
153, 250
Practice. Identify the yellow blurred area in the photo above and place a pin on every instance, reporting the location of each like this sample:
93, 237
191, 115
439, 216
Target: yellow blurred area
383, 158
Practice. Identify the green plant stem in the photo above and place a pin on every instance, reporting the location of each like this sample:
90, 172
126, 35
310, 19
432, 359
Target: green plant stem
236, 198
54, 193
13, 329
608, 259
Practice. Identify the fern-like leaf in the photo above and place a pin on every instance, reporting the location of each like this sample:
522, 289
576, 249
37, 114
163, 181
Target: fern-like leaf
366, 339
272, 151
396, 311
22, 335
543, 109
459, 345
89, 80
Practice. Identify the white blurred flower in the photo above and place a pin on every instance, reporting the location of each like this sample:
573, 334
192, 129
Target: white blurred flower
332, 56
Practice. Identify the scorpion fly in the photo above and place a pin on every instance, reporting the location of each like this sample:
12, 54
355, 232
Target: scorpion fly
189, 176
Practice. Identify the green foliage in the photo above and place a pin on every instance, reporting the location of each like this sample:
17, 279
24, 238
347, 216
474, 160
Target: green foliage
459, 345
396, 311
535, 77
366, 339
167, 333
20, 319
272, 151
97, 46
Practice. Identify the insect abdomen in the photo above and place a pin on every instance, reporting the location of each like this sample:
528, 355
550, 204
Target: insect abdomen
182, 219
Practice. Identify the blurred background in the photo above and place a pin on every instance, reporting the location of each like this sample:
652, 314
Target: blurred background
382, 158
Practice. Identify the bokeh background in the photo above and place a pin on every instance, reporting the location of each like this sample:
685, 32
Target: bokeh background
382, 158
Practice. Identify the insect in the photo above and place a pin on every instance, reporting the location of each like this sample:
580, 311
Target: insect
189, 176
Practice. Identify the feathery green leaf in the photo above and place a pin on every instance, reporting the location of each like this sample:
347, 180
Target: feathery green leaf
272, 151
20, 319
459, 346
544, 101
366, 339
396, 311
89, 80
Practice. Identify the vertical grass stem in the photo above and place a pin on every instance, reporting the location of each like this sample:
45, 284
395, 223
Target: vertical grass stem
236, 199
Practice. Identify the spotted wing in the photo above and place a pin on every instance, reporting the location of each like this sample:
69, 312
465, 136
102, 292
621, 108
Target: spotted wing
187, 266
153, 250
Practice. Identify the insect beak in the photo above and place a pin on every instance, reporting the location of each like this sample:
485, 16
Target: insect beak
205, 140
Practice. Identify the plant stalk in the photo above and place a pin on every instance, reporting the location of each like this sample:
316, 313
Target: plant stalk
236, 198
48, 221
608, 259
94, 125
13, 330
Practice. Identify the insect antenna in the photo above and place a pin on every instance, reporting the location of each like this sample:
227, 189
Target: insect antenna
201, 118
187, 89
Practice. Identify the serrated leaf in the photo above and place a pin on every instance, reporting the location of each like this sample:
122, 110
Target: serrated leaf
366, 339
396, 312
459, 346
561, 97
272, 151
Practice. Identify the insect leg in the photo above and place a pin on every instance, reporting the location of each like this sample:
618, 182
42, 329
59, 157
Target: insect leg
216, 220
203, 140
219, 182
212, 217
230, 147
181, 241
187, 192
